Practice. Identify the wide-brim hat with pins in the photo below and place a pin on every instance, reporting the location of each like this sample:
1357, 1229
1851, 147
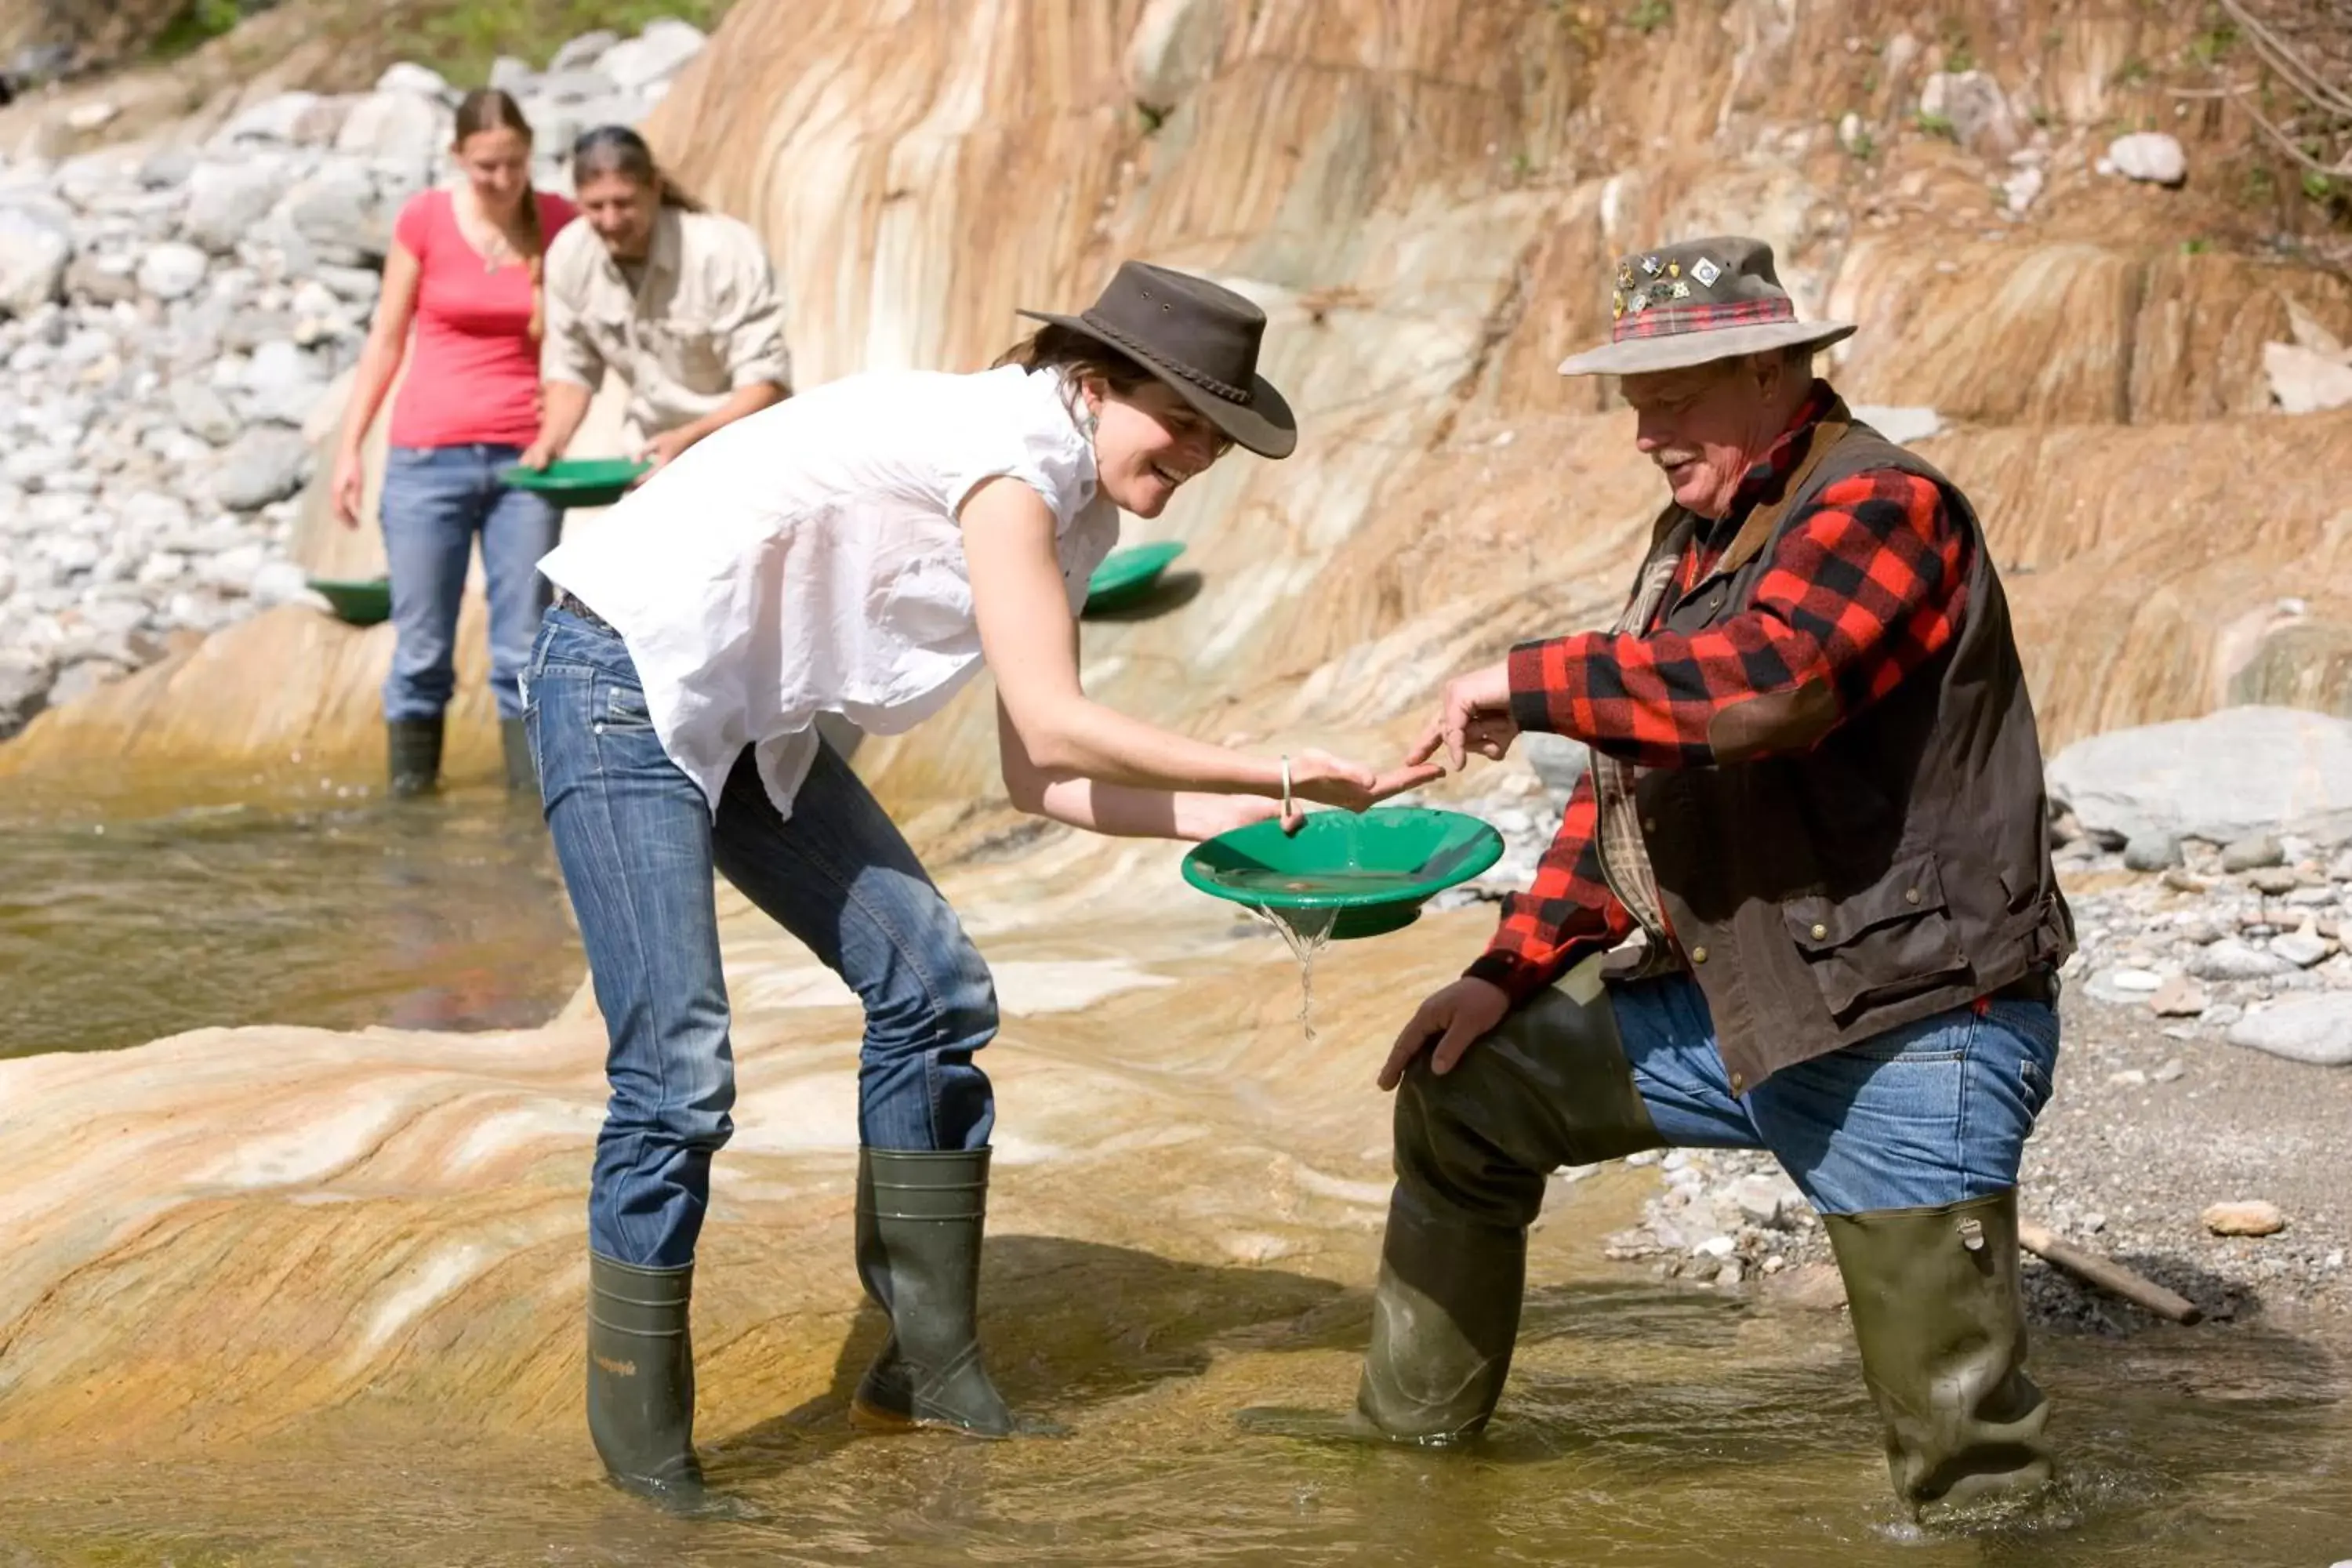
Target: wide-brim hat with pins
1200, 340
1700, 300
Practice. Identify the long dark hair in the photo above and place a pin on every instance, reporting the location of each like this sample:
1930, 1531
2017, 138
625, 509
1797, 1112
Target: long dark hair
494, 109
617, 150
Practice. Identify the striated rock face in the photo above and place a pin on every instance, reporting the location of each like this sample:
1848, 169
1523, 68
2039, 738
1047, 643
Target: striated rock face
253, 1224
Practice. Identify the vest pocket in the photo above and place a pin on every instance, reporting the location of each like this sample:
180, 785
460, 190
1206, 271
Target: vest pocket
1892, 939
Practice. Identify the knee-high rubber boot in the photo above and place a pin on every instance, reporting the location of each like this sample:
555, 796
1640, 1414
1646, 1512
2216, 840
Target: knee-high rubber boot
522, 774
919, 1217
641, 1383
1936, 1310
1551, 1087
412, 755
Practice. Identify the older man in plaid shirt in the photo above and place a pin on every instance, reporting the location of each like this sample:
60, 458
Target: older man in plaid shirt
1802, 902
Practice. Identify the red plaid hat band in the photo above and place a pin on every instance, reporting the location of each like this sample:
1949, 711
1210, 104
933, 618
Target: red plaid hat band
1667, 321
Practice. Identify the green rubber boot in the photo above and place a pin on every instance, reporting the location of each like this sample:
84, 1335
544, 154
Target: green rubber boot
522, 774
1936, 1310
919, 1216
641, 1385
413, 753
1550, 1087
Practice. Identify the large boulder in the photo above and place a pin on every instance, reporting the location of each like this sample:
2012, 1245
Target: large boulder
227, 199
2308, 1028
341, 215
409, 128
265, 464
2228, 775
653, 56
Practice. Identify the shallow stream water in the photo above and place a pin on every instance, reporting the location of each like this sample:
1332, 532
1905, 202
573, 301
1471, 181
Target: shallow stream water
126, 917
1642, 1426
1644, 1423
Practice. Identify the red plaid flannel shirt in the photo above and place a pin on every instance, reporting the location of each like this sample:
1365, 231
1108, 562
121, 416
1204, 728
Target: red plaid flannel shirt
1866, 586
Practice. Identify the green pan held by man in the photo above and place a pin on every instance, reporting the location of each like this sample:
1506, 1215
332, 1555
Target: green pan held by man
1801, 902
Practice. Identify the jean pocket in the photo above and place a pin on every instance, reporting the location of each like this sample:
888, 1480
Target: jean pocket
622, 707
2034, 1085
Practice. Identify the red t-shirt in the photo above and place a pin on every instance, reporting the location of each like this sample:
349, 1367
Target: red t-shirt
473, 366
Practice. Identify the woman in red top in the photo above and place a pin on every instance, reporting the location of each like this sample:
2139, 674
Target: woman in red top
464, 271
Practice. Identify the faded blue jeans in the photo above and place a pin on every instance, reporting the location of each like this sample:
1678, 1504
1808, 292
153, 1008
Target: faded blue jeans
639, 845
435, 499
1931, 1114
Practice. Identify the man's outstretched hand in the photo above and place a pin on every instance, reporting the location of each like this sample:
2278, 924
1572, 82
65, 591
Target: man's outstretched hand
1474, 715
1455, 1019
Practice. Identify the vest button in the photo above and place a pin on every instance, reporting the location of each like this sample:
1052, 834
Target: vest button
1910, 895
1649, 825
1698, 956
1737, 1083
1819, 932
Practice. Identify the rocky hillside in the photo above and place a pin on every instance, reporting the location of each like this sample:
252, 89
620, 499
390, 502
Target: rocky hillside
2091, 295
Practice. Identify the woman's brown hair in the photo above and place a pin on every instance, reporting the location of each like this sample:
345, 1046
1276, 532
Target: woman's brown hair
617, 150
1056, 347
494, 109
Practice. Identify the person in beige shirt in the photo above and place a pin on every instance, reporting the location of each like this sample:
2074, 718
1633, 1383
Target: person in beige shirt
679, 303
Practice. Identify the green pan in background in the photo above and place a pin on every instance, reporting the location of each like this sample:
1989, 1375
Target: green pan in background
577, 481
1374, 869
1127, 575
361, 604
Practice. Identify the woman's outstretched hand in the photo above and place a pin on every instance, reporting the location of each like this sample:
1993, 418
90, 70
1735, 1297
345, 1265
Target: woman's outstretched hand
1328, 780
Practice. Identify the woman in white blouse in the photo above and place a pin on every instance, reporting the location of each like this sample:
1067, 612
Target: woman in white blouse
859, 550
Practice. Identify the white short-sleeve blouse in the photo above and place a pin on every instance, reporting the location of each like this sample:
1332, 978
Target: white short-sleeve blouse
806, 559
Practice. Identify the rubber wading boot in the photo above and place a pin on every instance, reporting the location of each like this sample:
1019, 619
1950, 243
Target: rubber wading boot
641, 1385
919, 1216
1936, 1309
522, 774
413, 753
1550, 1087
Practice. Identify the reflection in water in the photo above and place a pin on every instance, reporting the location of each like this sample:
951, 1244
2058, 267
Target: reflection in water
1643, 1425
443, 914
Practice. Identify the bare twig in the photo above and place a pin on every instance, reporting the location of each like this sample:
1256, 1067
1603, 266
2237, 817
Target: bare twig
2107, 1274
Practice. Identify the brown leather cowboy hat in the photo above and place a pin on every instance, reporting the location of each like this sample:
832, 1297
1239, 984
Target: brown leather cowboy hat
1199, 339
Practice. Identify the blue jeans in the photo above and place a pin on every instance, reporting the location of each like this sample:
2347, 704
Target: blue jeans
639, 845
1928, 1114
435, 499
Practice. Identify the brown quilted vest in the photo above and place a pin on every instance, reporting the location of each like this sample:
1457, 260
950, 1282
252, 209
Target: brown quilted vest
1896, 867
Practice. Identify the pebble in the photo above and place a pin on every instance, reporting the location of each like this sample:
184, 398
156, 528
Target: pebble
2170, 1071
2302, 948
2246, 1218
2148, 155
2252, 853
2230, 959
2273, 880
2136, 979
2178, 997
2152, 849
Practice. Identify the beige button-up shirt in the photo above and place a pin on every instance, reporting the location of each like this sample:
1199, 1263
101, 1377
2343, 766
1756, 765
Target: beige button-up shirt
709, 318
